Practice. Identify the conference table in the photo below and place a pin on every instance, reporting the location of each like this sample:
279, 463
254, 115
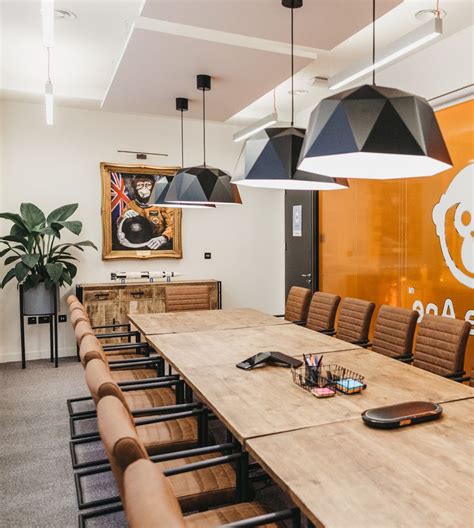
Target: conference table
336, 469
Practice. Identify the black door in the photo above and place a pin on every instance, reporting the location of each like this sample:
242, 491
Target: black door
301, 240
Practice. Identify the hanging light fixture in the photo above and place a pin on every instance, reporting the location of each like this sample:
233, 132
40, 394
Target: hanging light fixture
163, 184
202, 185
374, 132
269, 159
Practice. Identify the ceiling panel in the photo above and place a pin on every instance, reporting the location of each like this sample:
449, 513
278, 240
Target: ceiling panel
320, 24
158, 67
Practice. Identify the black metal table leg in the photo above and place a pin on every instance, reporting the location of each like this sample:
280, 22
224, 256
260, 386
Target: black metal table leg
55, 325
51, 344
22, 332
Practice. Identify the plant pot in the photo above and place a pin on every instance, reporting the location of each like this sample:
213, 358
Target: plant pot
39, 300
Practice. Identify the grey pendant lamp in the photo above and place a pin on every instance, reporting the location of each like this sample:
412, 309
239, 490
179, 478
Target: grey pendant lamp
202, 185
162, 186
374, 132
269, 159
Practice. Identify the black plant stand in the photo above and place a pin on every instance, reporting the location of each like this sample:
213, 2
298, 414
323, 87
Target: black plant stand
53, 331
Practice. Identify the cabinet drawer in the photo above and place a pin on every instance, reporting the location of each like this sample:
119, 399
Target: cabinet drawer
100, 295
137, 292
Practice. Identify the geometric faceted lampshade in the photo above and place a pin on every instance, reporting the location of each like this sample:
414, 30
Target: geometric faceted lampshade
202, 185
161, 190
269, 160
375, 133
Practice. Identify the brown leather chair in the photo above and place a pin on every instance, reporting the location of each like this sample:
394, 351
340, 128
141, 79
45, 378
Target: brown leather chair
440, 345
145, 486
185, 298
70, 299
124, 445
354, 321
394, 332
297, 304
78, 315
322, 312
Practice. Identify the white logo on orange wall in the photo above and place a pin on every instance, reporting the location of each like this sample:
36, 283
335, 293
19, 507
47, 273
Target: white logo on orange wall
461, 193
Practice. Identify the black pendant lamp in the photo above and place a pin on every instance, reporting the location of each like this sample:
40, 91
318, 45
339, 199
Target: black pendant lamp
202, 185
163, 184
270, 158
374, 132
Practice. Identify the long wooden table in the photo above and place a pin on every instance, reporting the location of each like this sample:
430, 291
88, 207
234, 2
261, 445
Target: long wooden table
221, 347
202, 320
347, 474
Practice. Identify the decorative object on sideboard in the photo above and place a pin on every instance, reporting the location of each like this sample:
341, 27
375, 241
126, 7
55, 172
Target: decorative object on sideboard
202, 184
351, 134
132, 225
122, 276
39, 264
269, 159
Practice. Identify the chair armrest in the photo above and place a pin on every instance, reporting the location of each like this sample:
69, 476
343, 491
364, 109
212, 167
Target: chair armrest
458, 376
139, 383
299, 323
130, 363
104, 327
268, 518
202, 464
165, 409
279, 315
127, 346
329, 331
192, 452
149, 384
111, 335
405, 359
171, 416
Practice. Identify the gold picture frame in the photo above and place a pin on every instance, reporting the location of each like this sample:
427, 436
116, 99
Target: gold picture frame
120, 197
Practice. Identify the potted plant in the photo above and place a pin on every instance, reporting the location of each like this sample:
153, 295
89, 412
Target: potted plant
39, 263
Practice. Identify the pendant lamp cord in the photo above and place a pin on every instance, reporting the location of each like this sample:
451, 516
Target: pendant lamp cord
49, 64
373, 41
182, 140
292, 72
204, 126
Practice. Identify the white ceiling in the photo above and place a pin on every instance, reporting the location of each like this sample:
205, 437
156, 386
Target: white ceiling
139, 64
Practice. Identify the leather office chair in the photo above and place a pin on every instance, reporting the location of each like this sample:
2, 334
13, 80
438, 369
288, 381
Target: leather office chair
322, 312
185, 298
71, 298
145, 486
213, 482
297, 304
354, 321
440, 346
394, 332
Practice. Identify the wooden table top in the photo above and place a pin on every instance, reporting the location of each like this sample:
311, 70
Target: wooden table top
222, 347
202, 320
265, 401
347, 474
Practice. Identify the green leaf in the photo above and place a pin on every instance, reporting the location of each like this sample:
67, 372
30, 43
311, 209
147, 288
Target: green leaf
52, 232
8, 277
19, 240
86, 243
30, 260
31, 281
15, 218
21, 271
61, 213
11, 259
74, 226
54, 270
71, 268
33, 217
66, 277
5, 251
18, 231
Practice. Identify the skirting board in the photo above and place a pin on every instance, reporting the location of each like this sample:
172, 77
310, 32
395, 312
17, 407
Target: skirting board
8, 356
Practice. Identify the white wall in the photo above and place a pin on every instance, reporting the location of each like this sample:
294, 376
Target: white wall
52, 166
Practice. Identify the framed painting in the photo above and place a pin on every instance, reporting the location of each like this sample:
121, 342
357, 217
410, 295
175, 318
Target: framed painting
133, 226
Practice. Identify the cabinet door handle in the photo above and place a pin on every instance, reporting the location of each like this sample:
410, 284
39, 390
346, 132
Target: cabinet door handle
137, 293
101, 296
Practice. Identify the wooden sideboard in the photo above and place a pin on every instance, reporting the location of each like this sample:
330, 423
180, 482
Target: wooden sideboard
109, 303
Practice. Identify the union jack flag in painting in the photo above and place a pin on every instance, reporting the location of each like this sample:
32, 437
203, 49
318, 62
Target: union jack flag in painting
118, 195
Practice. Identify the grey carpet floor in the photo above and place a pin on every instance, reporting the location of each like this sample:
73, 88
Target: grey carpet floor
36, 478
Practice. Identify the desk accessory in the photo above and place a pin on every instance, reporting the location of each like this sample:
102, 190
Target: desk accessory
402, 414
275, 358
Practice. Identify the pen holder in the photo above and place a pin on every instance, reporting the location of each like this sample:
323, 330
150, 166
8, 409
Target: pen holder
311, 380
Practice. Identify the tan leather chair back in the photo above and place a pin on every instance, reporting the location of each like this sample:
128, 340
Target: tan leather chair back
119, 437
82, 329
297, 304
440, 344
101, 383
184, 298
322, 311
354, 320
75, 305
145, 486
91, 349
78, 315
394, 331
71, 298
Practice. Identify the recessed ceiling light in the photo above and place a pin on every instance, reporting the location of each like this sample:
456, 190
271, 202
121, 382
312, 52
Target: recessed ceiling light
299, 91
64, 14
429, 14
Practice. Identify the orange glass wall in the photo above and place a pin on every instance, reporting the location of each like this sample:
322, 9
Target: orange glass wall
379, 240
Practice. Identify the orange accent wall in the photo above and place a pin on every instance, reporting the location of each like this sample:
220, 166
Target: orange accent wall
379, 241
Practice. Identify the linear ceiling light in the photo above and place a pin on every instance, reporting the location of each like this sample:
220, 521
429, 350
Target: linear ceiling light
413, 40
261, 124
47, 16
